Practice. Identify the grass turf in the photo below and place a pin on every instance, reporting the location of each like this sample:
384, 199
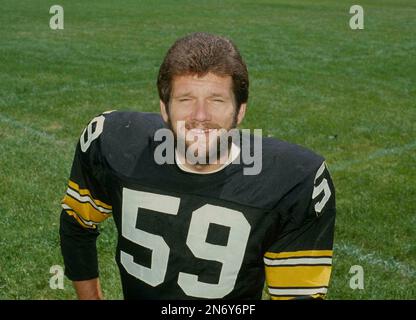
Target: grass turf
349, 95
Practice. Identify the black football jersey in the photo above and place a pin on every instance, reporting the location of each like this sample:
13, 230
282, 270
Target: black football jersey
184, 235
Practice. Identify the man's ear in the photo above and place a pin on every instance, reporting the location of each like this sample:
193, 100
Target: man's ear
164, 111
241, 113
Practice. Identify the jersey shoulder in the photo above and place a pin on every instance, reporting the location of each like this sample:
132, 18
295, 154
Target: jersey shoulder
301, 172
128, 137
119, 138
289, 159
284, 167
122, 128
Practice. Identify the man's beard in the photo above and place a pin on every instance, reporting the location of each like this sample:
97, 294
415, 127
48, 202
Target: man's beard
213, 153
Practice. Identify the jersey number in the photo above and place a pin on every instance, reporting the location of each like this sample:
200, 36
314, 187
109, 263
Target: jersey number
318, 189
91, 132
231, 255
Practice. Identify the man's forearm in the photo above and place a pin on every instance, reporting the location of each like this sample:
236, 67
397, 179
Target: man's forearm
88, 289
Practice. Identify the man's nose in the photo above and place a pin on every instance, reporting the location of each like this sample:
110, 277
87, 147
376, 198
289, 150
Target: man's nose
200, 112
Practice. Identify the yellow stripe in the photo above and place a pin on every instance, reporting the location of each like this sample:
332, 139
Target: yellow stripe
302, 276
85, 210
86, 192
318, 295
281, 298
73, 214
293, 254
314, 296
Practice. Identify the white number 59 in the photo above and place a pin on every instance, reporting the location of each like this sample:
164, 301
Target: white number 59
231, 256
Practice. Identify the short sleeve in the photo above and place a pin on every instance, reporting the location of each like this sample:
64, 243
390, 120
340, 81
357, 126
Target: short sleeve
298, 261
86, 199
85, 204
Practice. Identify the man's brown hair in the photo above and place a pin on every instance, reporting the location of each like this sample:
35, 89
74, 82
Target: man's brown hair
200, 53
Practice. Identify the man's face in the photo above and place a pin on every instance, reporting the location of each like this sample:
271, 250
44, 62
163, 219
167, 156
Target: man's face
198, 106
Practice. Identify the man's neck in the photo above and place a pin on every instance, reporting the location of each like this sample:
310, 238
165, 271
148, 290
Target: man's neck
208, 168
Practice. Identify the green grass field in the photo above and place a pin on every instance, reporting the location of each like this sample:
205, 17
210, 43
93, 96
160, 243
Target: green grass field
350, 95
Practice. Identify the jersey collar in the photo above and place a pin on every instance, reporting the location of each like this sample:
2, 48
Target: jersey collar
235, 152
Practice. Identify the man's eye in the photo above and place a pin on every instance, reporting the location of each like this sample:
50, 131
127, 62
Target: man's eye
218, 100
184, 99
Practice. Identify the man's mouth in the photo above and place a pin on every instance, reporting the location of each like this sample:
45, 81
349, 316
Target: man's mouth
199, 131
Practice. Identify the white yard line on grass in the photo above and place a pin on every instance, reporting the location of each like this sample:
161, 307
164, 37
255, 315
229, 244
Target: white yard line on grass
375, 155
28, 129
374, 259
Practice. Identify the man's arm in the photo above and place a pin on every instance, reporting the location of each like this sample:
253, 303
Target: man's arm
78, 246
298, 263
85, 205
88, 289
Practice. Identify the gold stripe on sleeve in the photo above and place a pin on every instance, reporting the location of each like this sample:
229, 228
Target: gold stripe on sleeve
86, 192
298, 276
294, 254
75, 216
85, 210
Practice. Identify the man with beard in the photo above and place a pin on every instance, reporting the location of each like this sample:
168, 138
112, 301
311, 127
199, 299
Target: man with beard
198, 229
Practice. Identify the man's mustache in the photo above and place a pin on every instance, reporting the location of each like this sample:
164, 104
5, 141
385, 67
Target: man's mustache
202, 126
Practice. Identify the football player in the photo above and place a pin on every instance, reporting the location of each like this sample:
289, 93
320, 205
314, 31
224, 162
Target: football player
198, 230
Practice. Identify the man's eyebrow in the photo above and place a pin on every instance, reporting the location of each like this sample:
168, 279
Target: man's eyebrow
218, 95
184, 94
189, 93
